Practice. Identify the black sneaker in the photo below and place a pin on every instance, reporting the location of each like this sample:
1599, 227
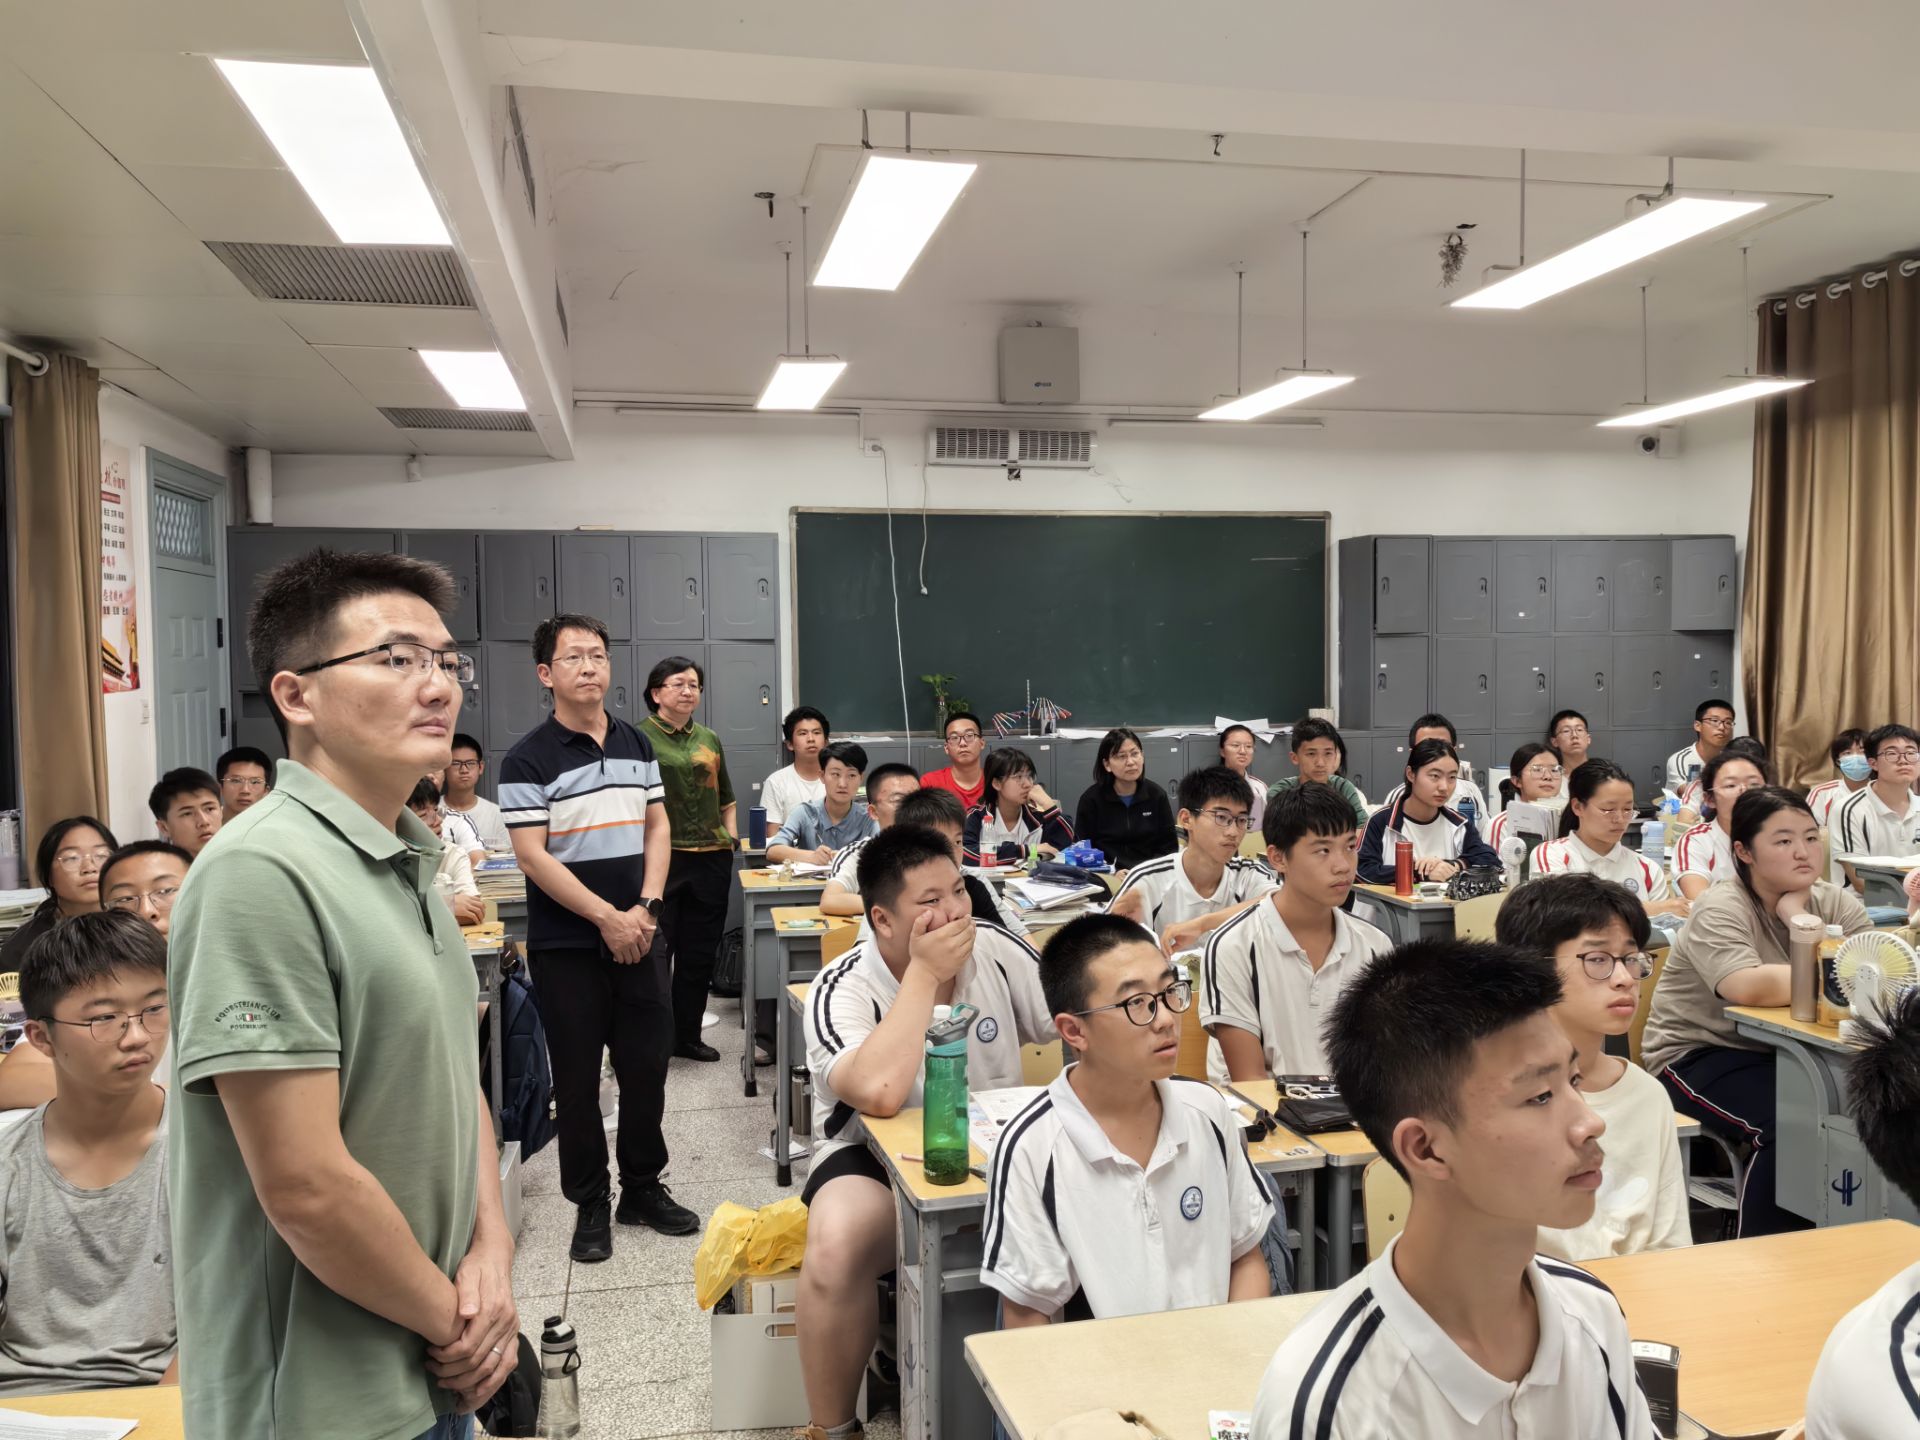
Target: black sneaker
652, 1206
695, 1050
592, 1234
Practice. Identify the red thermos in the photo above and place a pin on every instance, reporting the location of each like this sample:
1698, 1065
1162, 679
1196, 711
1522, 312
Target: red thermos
1403, 867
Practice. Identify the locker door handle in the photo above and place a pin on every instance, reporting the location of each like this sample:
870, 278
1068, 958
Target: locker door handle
1599, 584
1483, 684
1599, 680
620, 697
542, 586
1380, 680
1386, 584
1713, 679
1726, 584
766, 695
1543, 587
1659, 680
1540, 681
1659, 584
1483, 585
619, 587
693, 588
765, 589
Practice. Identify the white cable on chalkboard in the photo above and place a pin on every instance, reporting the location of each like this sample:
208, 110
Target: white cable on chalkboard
893, 578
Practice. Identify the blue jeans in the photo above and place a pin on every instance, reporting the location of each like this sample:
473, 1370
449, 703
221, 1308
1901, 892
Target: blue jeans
451, 1427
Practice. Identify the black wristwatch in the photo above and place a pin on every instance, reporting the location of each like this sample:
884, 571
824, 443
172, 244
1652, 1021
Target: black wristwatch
652, 906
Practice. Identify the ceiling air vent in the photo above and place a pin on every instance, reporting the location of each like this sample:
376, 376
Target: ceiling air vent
968, 445
348, 274
1065, 449
419, 417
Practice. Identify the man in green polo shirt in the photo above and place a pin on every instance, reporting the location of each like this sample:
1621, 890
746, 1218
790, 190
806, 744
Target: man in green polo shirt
342, 1264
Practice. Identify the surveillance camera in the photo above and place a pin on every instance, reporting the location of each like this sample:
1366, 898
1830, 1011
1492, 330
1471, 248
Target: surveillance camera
1663, 443
1648, 444
1013, 469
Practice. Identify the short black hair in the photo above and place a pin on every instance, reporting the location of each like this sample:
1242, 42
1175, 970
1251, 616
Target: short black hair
136, 849
1558, 716
665, 670
1213, 782
1314, 728
1700, 710
1883, 1093
464, 741
1885, 733
1110, 744
955, 716
1845, 741
892, 770
85, 950
1073, 948
804, 712
56, 836
546, 635
1302, 810
886, 859
291, 622
1752, 811
1433, 720
1401, 1037
1004, 764
931, 805
852, 755
175, 784
425, 792
1542, 916
244, 755
1427, 751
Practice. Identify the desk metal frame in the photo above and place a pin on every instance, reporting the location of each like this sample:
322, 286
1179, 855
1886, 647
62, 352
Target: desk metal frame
756, 913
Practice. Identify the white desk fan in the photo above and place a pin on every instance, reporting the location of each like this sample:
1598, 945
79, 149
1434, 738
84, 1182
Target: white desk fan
1871, 970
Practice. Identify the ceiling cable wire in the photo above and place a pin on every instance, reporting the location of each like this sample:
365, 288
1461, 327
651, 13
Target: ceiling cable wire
1746, 312
1240, 330
806, 310
1303, 297
788, 312
1645, 389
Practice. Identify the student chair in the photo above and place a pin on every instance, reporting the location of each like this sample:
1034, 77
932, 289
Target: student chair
836, 942
1254, 847
1645, 1006
1384, 1198
1710, 1191
1473, 919
1192, 1058
1041, 1064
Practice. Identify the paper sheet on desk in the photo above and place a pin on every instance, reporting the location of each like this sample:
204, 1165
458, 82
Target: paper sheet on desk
989, 1112
23, 1425
809, 869
1891, 862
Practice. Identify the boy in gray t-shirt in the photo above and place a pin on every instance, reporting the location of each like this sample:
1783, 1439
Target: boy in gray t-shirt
86, 1262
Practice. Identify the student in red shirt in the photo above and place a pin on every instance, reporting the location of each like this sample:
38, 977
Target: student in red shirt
962, 774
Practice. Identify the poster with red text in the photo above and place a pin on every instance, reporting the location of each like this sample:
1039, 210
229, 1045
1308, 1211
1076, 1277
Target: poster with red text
119, 644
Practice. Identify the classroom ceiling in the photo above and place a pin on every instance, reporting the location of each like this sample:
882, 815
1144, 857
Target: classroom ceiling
1098, 203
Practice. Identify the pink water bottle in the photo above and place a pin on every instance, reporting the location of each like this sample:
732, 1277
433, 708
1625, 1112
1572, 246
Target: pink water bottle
1403, 867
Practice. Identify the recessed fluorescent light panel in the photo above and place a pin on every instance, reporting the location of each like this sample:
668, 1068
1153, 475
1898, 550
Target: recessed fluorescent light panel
896, 205
800, 382
476, 379
334, 128
1290, 391
1665, 224
1737, 389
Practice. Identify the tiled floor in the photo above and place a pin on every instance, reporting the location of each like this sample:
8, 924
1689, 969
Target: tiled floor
644, 1367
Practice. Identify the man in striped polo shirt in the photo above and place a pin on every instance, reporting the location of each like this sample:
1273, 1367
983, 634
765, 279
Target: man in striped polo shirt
583, 804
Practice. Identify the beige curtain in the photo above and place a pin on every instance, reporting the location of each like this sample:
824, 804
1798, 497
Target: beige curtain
56, 453
1831, 619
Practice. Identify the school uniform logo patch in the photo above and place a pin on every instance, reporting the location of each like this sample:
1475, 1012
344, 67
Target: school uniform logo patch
1192, 1202
988, 1029
1632, 884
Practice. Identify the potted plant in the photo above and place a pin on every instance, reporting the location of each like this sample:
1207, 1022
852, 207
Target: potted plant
945, 702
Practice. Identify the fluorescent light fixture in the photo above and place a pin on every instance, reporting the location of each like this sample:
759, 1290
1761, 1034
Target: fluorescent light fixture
1290, 391
896, 205
800, 382
476, 379
334, 128
1665, 224
1738, 388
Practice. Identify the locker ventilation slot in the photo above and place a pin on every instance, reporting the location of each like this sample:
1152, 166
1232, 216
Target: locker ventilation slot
348, 275
426, 418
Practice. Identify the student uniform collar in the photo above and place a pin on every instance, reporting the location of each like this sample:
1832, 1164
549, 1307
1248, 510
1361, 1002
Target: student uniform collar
1092, 1142
1593, 857
354, 824
1881, 808
1470, 1390
1345, 935
1396, 817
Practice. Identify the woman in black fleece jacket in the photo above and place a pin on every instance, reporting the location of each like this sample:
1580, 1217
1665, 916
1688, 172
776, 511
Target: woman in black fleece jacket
1123, 814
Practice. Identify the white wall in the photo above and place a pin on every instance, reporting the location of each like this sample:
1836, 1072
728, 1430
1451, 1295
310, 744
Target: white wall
132, 754
1439, 474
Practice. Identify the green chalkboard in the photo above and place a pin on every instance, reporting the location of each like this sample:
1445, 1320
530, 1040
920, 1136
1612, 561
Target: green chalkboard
1123, 619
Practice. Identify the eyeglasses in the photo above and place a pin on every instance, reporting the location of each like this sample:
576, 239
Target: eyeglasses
1141, 1009
464, 765
406, 658
598, 659
1613, 812
1544, 772
162, 899
1718, 722
1569, 731
1600, 964
77, 859
1899, 757
1227, 820
691, 687
236, 782
964, 737
108, 1029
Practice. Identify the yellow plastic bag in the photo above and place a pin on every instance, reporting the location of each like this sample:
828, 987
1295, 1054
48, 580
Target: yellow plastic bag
741, 1242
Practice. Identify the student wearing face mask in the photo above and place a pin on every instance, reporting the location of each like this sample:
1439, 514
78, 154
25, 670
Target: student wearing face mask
1883, 818
1849, 753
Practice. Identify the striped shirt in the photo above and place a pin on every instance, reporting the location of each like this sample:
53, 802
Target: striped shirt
1867, 1384
1169, 896
1826, 797
1680, 767
1864, 825
593, 803
1705, 851
1571, 855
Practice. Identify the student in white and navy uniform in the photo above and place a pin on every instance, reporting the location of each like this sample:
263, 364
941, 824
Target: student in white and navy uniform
1712, 729
1185, 896
1269, 976
940, 810
866, 1020
1121, 1190
1884, 818
1867, 1384
887, 786
1599, 811
1849, 755
1703, 856
1448, 1055
1015, 814
1467, 799
1444, 841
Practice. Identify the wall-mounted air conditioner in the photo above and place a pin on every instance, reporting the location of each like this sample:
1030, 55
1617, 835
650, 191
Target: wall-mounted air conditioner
1027, 446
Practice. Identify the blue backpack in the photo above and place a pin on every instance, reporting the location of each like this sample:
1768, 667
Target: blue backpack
526, 1110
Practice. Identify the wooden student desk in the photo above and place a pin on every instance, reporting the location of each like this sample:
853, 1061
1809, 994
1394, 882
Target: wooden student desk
798, 931
156, 1407
760, 892
1749, 1317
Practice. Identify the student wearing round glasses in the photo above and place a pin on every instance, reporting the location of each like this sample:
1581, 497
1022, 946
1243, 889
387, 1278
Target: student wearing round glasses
1592, 839
1570, 738
144, 879
67, 865
245, 774
1534, 777
1186, 896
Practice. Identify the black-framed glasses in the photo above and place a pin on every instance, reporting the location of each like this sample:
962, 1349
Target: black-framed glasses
162, 899
1141, 1009
1600, 964
108, 1029
463, 765
1226, 819
405, 657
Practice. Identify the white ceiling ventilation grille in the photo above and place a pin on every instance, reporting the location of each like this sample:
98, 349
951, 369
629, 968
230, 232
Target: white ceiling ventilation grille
1000, 446
420, 417
348, 274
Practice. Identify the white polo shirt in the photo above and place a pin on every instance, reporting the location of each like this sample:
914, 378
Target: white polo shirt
845, 865
1680, 766
1255, 976
1707, 851
1867, 1384
1571, 855
1170, 896
1863, 825
1369, 1363
784, 792
1826, 797
851, 996
1074, 1225
487, 821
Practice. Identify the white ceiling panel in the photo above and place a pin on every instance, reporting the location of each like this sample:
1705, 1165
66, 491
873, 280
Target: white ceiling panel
121, 264
164, 392
237, 204
248, 392
425, 327
170, 108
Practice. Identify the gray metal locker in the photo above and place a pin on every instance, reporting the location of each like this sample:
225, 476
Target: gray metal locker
1166, 762
1523, 586
1505, 742
928, 754
1642, 598
595, 580
1702, 670
1643, 692
646, 656
1196, 753
879, 752
1399, 681
669, 588
1039, 749
1643, 755
253, 724
1603, 741
1523, 683
1463, 680
1463, 587
459, 552
1072, 769
516, 702
741, 684
742, 593
516, 585
1476, 749
251, 553
1400, 584
473, 699
747, 769
1582, 576
1706, 594
1582, 665
1359, 766
1389, 768
623, 692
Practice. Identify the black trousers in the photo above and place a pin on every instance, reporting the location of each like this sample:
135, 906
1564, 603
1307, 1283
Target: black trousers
589, 1004
1730, 1092
691, 921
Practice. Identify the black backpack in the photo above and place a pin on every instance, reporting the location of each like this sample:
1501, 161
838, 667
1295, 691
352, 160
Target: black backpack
526, 1111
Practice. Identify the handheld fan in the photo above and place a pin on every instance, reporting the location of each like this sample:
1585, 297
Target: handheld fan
1871, 969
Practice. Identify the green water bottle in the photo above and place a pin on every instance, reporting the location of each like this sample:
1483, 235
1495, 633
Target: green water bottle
943, 1137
